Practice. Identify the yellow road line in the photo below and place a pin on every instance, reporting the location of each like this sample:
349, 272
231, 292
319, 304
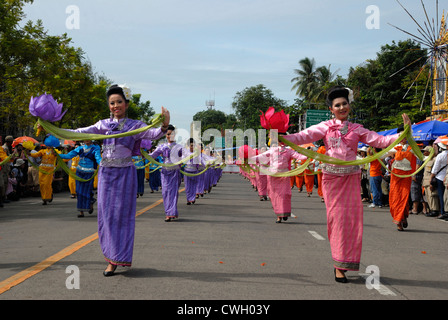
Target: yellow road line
32, 271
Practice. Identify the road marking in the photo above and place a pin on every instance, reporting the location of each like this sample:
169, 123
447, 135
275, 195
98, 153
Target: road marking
20, 277
32, 271
382, 289
316, 235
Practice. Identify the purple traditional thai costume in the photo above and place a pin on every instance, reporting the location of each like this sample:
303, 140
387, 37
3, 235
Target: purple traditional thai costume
205, 184
117, 187
279, 159
171, 178
341, 185
193, 166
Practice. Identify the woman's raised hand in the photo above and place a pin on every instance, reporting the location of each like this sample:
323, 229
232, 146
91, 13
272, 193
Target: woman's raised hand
166, 117
406, 120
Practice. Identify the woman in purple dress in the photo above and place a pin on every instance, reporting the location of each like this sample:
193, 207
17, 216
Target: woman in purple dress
117, 178
171, 152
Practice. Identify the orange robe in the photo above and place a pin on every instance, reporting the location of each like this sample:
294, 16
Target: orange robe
309, 178
299, 179
321, 150
400, 188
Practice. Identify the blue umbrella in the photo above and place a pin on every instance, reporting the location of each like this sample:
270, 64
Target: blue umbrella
388, 132
429, 131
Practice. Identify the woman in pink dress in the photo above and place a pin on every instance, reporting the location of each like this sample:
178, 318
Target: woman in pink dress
262, 181
341, 186
279, 158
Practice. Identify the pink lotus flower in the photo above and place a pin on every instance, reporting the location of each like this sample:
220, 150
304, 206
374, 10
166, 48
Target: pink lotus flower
272, 120
46, 108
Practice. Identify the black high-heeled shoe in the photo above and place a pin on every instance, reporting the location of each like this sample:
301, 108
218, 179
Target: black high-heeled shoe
340, 280
110, 273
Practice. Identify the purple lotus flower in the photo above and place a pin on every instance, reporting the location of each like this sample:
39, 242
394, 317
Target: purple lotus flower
46, 108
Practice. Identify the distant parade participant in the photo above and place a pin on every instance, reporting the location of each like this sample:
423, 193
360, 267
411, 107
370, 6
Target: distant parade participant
309, 178
262, 180
192, 167
89, 158
208, 175
279, 158
171, 152
139, 163
404, 163
155, 181
72, 181
48, 155
321, 150
341, 184
201, 179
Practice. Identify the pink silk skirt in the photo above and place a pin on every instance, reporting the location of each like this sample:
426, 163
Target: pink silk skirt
280, 195
262, 184
342, 196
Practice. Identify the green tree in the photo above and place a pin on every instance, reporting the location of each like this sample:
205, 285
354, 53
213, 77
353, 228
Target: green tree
139, 109
32, 62
312, 83
249, 102
211, 119
380, 85
305, 82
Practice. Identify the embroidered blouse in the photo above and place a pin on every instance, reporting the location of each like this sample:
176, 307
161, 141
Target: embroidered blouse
118, 152
341, 141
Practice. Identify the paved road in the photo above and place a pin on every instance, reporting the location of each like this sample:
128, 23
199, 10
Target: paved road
226, 247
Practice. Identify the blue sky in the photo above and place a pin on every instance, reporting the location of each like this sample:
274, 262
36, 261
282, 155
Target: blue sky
180, 53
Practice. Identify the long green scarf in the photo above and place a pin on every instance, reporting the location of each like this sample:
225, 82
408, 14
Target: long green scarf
330, 160
77, 136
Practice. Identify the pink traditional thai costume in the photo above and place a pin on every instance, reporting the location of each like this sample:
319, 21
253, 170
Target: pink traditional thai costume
279, 191
262, 184
341, 185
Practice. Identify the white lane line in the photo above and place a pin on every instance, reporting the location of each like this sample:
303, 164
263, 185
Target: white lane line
316, 235
382, 289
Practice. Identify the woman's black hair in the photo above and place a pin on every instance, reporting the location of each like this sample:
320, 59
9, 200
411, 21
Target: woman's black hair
337, 92
171, 127
115, 89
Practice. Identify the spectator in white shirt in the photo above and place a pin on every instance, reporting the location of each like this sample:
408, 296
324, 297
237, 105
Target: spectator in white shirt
439, 171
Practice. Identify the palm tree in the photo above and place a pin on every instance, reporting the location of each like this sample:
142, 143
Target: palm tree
325, 79
306, 80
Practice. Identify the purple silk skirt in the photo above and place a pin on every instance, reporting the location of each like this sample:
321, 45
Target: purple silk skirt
117, 202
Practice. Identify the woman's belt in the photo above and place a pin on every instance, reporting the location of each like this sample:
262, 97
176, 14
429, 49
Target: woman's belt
117, 162
332, 169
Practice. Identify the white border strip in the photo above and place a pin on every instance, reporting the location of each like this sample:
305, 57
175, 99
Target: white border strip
316, 235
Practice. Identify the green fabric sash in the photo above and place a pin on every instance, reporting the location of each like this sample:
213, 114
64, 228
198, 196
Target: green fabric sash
77, 136
407, 133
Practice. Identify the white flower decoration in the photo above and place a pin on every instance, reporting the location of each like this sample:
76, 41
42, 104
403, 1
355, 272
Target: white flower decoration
127, 91
351, 96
